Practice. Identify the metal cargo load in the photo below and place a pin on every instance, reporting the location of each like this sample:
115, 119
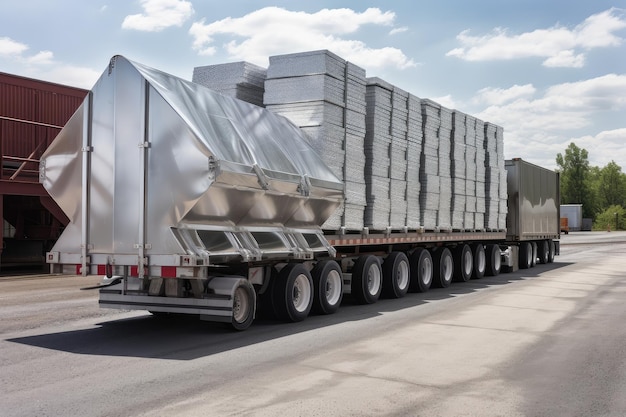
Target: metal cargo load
574, 215
155, 171
533, 202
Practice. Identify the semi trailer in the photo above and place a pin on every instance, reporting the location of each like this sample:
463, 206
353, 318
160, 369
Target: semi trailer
190, 201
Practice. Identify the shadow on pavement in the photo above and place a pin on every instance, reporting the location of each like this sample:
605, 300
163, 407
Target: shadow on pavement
186, 338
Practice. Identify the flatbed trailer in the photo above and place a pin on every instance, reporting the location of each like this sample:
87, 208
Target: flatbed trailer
187, 201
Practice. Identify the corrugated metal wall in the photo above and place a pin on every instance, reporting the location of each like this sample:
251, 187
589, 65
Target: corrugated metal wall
32, 112
31, 115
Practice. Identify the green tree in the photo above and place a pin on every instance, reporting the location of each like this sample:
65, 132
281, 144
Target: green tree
575, 178
594, 180
612, 185
609, 217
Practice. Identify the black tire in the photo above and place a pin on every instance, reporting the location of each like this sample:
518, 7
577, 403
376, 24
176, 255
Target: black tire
443, 267
293, 293
494, 261
525, 255
463, 263
533, 260
480, 261
543, 251
367, 277
396, 275
552, 251
328, 285
421, 265
244, 306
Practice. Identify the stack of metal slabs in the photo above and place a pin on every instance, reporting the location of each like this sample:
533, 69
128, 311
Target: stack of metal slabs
503, 196
470, 173
429, 165
414, 150
492, 177
457, 170
406, 162
325, 96
378, 153
241, 80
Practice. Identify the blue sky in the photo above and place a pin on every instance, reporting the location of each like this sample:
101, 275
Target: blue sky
550, 72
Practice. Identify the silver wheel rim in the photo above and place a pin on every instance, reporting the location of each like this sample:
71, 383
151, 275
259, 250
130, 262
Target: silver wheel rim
467, 262
402, 275
241, 305
373, 279
496, 262
448, 267
333, 287
301, 292
426, 272
481, 261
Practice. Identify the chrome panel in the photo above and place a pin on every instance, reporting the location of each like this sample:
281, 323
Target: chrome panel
210, 160
533, 201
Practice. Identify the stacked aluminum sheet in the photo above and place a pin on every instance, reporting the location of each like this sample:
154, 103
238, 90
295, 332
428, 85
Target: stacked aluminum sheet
430, 179
471, 199
325, 96
495, 178
241, 80
458, 170
406, 162
393, 143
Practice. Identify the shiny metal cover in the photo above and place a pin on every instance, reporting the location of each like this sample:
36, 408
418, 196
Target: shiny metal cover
147, 153
533, 201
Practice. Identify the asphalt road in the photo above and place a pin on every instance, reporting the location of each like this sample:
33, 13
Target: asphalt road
549, 341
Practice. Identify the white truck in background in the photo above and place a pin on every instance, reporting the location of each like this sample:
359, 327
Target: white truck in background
188, 201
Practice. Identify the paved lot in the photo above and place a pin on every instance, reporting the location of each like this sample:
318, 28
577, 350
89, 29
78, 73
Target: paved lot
549, 341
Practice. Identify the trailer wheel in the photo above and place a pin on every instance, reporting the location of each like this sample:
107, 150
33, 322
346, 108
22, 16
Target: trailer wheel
421, 267
293, 293
243, 306
367, 279
533, 259
396, 275
463, 263
543, 251
444, 267
494, 262
328, 285
480, 262
525, 255
551, 251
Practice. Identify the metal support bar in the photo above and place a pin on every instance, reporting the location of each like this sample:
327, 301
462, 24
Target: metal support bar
85, 183
26, 160
143, 172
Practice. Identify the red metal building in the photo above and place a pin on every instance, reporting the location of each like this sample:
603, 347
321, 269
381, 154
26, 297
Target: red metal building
32, 112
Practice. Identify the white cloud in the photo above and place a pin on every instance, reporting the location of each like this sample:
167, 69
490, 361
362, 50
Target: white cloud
10, 47
40, 58
560, 46
42, 65
604, 147
274, 30
158, 15
565, 59
446, 101
68, 74
395, 31
601, 93
542, 125
499, 96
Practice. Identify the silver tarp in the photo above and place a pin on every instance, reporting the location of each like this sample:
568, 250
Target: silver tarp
148, 153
